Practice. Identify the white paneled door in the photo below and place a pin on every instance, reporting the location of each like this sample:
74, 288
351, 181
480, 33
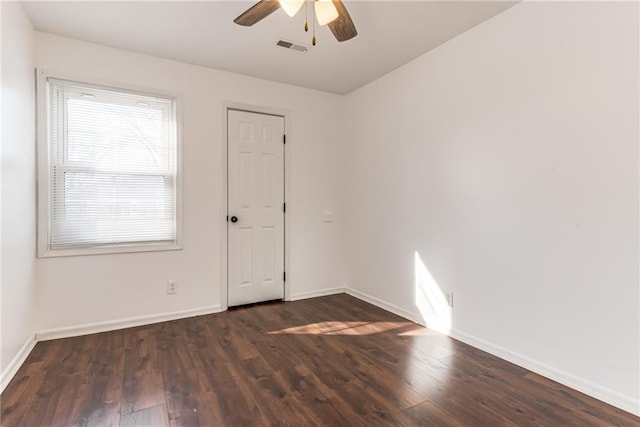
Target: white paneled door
255, 222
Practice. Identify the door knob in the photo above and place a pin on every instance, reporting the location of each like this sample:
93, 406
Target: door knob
234, 219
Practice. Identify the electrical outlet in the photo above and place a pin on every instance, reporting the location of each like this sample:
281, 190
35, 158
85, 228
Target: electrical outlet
172, 287
450, 299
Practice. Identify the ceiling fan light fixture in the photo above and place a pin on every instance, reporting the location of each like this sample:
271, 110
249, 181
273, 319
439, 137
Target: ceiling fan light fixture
331, 12
326, 11
291, 7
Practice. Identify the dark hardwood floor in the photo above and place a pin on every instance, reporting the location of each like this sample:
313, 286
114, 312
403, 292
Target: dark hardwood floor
327, 361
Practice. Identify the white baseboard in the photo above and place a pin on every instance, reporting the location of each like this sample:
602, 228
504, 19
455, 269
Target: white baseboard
10, 371
384, 305
112, 325
612, 397
315, 294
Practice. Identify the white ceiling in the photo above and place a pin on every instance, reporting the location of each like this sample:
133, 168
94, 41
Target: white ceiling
390, 33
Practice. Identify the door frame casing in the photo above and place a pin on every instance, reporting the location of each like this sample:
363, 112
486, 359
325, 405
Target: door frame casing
224, 248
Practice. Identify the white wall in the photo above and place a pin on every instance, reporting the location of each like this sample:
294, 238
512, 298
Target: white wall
17, 285
507, 159
80, 290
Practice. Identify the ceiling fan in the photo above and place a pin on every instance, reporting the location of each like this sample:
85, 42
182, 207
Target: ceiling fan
328, 12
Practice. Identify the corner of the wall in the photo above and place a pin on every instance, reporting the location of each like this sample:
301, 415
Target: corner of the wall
12, 368
318, 293
385, 305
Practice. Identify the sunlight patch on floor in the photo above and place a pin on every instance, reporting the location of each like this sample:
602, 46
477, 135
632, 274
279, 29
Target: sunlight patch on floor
420, 332
342, 328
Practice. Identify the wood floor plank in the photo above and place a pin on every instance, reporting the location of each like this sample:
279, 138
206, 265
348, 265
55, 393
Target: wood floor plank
142, 386
99, 399
429, 414
277, 402
330, 361
321, 404
156, 416
52, 405
372, 407
238, 404
369, 374
20, 392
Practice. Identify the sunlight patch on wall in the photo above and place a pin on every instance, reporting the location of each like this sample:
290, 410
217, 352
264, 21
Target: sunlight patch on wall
430, 299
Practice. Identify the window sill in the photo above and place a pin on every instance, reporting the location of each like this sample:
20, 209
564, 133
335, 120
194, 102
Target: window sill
105, 250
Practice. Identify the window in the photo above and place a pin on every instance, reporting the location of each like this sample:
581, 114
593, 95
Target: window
110, 178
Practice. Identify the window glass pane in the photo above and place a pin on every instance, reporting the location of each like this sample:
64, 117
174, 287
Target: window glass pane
105, 208
113, 167
110, 136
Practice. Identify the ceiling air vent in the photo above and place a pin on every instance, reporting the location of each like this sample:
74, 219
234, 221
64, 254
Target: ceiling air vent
293, 46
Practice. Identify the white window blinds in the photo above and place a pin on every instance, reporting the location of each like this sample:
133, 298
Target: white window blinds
112, 166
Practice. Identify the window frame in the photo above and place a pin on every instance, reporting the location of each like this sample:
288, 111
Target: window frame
44, 169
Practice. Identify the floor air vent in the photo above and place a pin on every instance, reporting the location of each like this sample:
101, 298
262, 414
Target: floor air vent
292, 46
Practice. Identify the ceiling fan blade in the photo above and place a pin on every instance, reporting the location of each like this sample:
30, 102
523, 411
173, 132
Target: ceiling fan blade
257, 12
342, 27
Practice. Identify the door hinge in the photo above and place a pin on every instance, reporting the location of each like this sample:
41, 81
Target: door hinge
284, 139
284, 207
284, 276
